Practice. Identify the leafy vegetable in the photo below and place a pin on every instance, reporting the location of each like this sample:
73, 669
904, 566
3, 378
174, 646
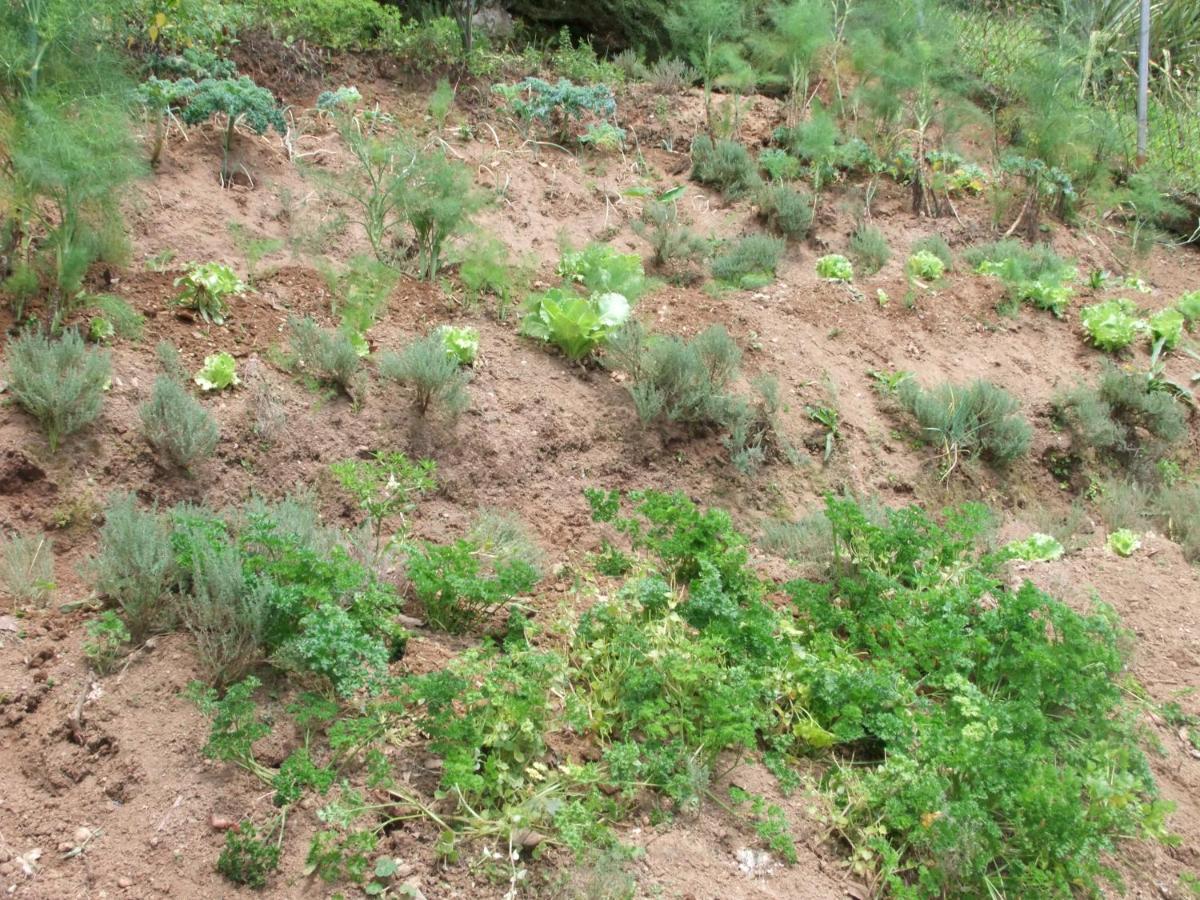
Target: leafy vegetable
1035, 548
206, 287
242, 102
1111, 325
925, 266
100, 330
577, 326
461, 343
1189, 305
835, 267
219, 372
1124, 542
602, 270
1167, 325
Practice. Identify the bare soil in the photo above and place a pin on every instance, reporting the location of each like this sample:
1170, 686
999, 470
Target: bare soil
119, 755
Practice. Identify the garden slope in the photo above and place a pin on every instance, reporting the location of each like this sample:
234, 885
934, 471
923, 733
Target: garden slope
539, 430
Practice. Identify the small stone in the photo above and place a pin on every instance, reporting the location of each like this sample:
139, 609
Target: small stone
124, 882
83, 834
65, 846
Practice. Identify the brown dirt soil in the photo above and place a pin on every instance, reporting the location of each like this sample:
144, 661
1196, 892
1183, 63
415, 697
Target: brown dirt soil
129, 770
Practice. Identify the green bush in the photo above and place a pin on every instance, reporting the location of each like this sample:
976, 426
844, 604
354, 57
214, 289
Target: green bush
360, 296
60, 382
557, 107
27, 568
435, 375
225, 615
924, 267
106, 637
934, 671
461, 584
336, 24
963, 422
779, 165
170, 361
394, 182
1178, 510
869, 249
134, 565
724, 165
177, 425
126, 321
1036, 275
1189, 305
484, 268
748, 262
328, 355
263, 584
785, 210
1167, 325
69, 164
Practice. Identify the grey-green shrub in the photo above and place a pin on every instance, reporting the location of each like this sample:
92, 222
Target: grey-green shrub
433, 373
966, 421
60, 382
756, 435
224, 614
170, 361
869, 249
134, 564
177, 425
674, 244
785, 210
673, 380
1178, 510
326, 354
750, 261
27, 568
1122, 419
724, 165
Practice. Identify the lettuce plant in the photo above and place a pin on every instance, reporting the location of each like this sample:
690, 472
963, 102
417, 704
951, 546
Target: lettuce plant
925, 266
1124, 542
1189, 305
462, 343
1035, 548
1167, 326
1044, 294
576, 325
835, 267
602, 270
1111, 325
219, 372
206, 287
